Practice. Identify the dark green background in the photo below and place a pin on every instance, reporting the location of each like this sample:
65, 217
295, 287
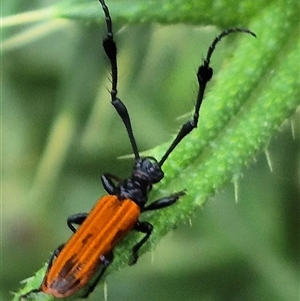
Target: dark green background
243, 251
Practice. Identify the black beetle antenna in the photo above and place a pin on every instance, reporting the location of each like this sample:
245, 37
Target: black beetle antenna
204, 75
110, 49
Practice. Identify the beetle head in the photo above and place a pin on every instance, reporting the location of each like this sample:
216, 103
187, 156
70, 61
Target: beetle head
148, 169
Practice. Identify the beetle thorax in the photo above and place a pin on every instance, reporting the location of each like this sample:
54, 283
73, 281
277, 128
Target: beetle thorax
146, 172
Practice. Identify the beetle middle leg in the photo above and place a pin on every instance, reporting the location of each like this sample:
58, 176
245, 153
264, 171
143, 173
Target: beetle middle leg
76, 219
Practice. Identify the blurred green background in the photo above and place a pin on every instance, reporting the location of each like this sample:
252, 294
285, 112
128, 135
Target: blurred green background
60, 134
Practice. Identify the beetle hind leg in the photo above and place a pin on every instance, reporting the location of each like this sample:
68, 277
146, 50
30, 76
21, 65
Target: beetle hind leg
105, 261
50, 263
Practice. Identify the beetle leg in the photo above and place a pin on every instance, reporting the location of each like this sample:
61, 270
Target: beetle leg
108, 184
144, 227
164, 202
76, 219
106, 261
54, 254
50, 263
113, 177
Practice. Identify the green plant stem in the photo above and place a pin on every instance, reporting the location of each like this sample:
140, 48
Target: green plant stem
255, 92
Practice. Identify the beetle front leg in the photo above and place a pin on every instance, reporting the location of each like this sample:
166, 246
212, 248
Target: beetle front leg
164, 202
144, 227
108, 184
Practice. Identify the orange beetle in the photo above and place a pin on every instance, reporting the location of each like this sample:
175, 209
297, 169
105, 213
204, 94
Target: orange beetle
90, 246
75, 264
